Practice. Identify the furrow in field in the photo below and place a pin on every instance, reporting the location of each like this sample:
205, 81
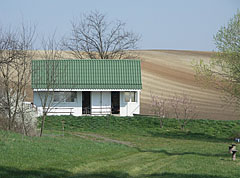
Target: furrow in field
166, 72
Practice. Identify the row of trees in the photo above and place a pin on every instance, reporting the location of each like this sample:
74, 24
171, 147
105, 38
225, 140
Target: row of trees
179, 106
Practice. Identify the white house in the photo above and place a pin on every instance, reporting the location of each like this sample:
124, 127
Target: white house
87, 87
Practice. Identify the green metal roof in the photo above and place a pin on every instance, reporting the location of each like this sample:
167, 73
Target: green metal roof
86, 74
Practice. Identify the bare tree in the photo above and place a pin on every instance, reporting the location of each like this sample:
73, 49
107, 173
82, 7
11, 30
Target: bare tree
51, 52
3, 121
179, 106
95, 38
15, 61
183, 108
8, 46
175, 102
159, 107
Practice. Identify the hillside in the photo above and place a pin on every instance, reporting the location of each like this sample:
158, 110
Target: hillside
121, 147
166, 72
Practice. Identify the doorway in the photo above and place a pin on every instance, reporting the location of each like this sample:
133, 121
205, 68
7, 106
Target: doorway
86, 102
115, 100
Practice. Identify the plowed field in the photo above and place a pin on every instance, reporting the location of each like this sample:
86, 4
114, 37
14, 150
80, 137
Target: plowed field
166, 72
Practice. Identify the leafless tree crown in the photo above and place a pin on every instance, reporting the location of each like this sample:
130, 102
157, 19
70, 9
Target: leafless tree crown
179, 106
15, 61
95, 38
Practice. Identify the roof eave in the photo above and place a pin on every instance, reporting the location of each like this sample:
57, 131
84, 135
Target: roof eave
87, 89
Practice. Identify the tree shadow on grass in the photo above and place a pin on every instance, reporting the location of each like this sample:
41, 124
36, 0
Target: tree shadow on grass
11, 172
154, 175
113, 174
15, 172
185, 153
188, 136
179, 175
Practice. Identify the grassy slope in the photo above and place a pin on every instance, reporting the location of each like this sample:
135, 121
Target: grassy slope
199, 151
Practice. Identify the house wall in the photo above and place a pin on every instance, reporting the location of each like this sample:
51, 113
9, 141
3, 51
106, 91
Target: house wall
100, 102
129, 108
63, 108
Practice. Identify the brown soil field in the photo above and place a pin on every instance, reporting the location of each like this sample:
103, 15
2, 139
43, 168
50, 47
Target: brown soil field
169, 72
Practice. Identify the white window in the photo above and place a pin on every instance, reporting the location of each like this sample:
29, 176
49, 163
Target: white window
65, 96
127, 96
130, 96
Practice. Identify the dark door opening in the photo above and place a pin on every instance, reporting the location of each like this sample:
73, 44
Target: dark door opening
115, 100
86, 102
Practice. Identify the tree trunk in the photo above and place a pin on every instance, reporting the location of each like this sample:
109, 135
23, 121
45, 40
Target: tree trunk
161, 123
182, 127
42, 125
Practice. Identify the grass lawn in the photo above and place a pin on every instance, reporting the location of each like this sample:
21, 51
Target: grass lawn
121, 147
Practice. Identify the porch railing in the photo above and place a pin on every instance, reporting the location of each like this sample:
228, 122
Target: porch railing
97, 111
61, 110
85, 111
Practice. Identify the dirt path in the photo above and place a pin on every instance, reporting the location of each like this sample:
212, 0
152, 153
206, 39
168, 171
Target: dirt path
100, 138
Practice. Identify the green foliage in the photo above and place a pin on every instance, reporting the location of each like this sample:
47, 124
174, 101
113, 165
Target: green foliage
200, 151
223, 70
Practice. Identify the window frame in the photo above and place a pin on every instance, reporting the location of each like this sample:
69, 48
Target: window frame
131, 93
64, 98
